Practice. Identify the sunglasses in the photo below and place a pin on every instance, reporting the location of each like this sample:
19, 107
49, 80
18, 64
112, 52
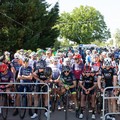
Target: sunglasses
66, 71
76, 58
87, 72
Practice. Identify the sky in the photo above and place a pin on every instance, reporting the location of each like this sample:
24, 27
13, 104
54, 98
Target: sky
108, 8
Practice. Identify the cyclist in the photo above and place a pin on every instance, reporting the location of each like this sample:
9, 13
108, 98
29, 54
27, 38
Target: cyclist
110, 76
56, 71
32, 60
88, 84
88, 58
68, 82
77, 68
6, 76
39, 75
25, 76
48, 57
15, 65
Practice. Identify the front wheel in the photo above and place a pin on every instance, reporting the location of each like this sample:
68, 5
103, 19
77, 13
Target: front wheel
23, 103
4, 104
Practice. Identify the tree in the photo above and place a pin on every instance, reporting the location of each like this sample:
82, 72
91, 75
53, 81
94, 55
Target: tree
27, 24
83, 25
117, 37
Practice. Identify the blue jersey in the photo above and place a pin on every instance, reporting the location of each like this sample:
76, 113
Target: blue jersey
15, 64
25, 71
8, 77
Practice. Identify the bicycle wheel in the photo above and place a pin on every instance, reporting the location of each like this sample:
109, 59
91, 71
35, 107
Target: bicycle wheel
65, 102
4, 103
23, 103
87, 108
40, 104
99, 104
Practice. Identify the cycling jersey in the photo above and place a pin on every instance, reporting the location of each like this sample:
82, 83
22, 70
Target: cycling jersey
15, 63
68, 80
108, 75
25, 71
8, 77
55, 71
88, 81
41, 75
95, 66
78, 69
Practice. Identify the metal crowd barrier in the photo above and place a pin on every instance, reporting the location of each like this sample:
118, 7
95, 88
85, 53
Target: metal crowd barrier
32, 93
106, 98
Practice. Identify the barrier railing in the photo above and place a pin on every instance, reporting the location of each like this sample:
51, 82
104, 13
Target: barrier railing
32, 93
106, 98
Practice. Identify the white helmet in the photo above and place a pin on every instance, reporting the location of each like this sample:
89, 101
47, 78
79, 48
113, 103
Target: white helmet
16, 55
32, 54
107, 62
66, 60
54, 59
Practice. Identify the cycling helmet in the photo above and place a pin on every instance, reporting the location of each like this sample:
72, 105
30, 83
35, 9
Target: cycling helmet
7, 53
48, 72
33, 54
55, 59
66, 68
66, 60
40, 65
2, 58
88, 52
107, 62
3, 67
26, 59
16, 55
70, 54
87, 68
110, 55
78, 56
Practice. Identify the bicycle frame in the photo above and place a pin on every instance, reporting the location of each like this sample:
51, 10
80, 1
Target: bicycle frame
48, 109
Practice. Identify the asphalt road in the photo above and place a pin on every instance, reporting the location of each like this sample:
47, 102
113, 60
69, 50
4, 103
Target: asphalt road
57, 115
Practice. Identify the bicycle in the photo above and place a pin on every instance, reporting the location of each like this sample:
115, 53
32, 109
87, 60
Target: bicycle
78, 96
99, 102
65, 100
87, 106
23, 103
4, 102
53, 96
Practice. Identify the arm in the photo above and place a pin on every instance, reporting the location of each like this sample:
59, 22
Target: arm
81, 85
94, 86
36, 77
74, 85
29, 77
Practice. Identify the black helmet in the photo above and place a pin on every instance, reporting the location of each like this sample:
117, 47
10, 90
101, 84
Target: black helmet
47, 72
26, 59
66, 68
40, 65
87, 68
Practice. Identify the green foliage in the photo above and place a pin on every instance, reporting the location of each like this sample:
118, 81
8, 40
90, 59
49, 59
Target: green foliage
66, 43
99, 43
83, 25
27, 24
56, 45
117, 37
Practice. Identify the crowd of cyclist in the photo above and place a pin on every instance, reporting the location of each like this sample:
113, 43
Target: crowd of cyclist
70, 70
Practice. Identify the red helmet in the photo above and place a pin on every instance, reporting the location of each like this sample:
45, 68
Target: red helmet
78, 56
3, 67
87, 68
